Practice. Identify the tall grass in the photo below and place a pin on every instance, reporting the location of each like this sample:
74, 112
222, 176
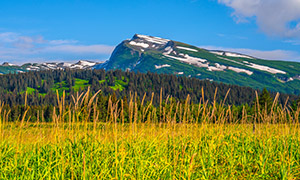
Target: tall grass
177, 140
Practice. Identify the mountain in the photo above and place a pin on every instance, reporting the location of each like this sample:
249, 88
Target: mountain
146, 53
12, 68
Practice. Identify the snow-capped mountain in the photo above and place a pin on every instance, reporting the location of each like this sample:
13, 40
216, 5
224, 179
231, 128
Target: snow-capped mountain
11, 68
147, 53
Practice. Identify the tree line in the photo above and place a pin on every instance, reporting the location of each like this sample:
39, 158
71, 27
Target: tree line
118, 85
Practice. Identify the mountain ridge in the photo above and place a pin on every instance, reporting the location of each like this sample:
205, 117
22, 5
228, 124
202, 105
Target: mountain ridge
147, 53
7, 67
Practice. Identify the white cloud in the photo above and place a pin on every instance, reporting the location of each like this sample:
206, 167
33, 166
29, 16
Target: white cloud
79, 49
8, 37
17, 40
16, 48
293, 42
274, 17
271, 55
61, 41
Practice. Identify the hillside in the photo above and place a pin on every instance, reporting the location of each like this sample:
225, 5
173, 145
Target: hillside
146, 53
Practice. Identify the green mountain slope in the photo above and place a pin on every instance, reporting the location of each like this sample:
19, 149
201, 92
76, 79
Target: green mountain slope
146, 53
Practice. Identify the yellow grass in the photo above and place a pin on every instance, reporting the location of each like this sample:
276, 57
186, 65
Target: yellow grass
172, 144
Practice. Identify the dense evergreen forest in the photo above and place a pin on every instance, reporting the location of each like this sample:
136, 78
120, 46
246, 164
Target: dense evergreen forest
39, 89
41, 86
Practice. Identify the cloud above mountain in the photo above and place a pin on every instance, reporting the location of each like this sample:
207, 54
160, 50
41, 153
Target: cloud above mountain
18, 48
274, 17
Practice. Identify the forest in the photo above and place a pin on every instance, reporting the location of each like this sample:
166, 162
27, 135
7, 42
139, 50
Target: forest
41, 90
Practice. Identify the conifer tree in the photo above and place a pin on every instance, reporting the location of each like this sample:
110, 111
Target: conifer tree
265, 100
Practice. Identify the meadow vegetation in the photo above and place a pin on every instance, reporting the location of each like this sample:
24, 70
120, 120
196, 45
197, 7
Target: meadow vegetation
137, 140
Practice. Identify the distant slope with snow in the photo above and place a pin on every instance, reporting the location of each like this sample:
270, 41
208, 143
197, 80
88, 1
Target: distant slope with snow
6, 67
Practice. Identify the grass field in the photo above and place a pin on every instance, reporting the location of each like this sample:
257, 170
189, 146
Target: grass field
78, 145
149, 151
80, 83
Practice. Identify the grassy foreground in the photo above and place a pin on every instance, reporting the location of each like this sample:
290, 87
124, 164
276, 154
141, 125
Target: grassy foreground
172, 144
150, 151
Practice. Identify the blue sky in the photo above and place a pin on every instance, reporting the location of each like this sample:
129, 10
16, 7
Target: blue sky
65, 30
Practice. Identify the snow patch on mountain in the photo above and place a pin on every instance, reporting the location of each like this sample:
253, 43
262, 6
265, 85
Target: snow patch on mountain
86, 63
186, 48
32, 68
156, 40
217, 53
230, 54
239, 70
255, 66
217, 67
168, 50
189, 59
265, 68
162, 66
65, 64
143, 45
